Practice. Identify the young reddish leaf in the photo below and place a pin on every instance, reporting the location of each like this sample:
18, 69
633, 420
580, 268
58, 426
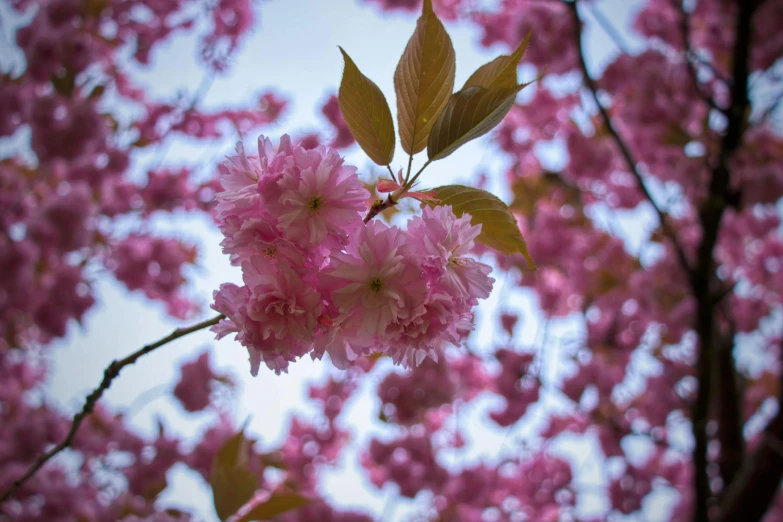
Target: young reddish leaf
276, 505
499, 229
423, 80
366, 113
387, 185
233, 484
470, 113
500, 72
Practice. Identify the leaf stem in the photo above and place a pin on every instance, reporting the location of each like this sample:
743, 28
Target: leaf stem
410, 165
109, 374
410, 183
391, 172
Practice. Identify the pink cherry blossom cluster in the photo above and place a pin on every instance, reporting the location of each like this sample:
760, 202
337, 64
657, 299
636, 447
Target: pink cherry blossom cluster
408, 461
68, 181
317, 279
553, 28
516, 384
63, 490
71, 487
196, 383
428, 392
343, 137
154, 265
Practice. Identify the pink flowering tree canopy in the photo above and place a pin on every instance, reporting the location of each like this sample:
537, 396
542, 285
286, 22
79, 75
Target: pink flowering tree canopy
597, 337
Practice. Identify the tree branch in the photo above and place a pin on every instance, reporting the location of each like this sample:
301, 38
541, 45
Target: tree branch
379, 206
710, 216
729, 410
757, 483
624, 151
109, 374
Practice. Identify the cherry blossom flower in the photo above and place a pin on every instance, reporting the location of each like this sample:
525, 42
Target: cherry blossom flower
320, 197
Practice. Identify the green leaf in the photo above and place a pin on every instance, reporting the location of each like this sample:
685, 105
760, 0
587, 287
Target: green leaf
500, 72
499, 229
366, 113
423, 80
276, 505
469, 114
233, 484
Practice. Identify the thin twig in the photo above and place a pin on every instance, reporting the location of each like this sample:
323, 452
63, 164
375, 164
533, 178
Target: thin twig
685, 28
206, 84
626, 153
706, 63
610, 29
109, 374
379, 206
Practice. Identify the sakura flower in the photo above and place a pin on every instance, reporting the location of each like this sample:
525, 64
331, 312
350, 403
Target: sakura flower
284, 303
257, 236
320, 197
236, 172
435, 320
249, 183
274, 315
374, 284
444, 241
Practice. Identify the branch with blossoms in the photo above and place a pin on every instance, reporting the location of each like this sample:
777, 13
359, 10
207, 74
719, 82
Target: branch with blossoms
663, 218
109, 375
